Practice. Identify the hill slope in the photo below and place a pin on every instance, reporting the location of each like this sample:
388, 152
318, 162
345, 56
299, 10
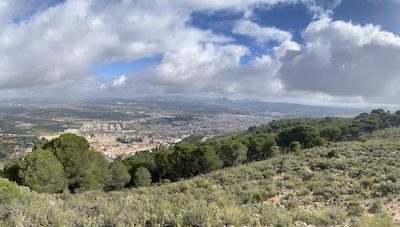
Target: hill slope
348, 183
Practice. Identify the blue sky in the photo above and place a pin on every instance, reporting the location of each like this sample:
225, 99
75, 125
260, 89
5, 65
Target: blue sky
384, 13
306, 51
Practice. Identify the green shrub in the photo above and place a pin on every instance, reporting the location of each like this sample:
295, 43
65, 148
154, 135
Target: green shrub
272, 216
273, 152
385, 188
334, 153
8, 191
354, 208
142, 177
376, 207
295, 147
232, 214
379, 221
303, 191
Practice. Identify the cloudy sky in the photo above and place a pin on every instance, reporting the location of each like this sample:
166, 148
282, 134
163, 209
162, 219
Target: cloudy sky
307, 51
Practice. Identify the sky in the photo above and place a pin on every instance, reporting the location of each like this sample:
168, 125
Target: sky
330, 52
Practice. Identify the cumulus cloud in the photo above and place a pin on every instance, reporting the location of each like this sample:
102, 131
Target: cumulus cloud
55, 44
343, 59
211, 69
61, 43
47, 46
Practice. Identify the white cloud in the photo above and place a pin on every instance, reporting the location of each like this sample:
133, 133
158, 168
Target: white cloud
47, 47
343, 59
211, 69
61, 43
119, 81
55, 45
261, 34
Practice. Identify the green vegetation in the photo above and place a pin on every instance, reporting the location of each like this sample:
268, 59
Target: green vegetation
41, 171
86, 169
323, 172
142, 177
359, 188
65, 163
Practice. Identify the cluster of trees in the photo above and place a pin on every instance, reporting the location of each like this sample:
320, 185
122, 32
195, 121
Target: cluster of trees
337, 128
68, 162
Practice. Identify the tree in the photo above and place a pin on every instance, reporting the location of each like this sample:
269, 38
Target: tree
42, 172
395, 120
354, 131
206, 159
71, 151
307, 135
331, 132
86, 169
164, 166
181, 161
233, 153
260, 145
142, 177
370, 125
378, 112
118, 175
142, 159
40, 144
95, 174
11, 170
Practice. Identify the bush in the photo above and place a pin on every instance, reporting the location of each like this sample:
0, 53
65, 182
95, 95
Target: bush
295, 146
8, 191
303, 191
232, 214
385, 188
334, 153
142, 177
380, 221
354, 208
273, 152
376, 207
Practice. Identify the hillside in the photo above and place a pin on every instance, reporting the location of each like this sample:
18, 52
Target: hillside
343, 183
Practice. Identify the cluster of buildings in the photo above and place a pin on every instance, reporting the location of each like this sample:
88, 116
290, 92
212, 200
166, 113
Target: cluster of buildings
115, 138
126, 137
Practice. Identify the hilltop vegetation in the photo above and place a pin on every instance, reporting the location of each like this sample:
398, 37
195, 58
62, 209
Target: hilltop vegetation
330, 171
356, 183
76, 167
